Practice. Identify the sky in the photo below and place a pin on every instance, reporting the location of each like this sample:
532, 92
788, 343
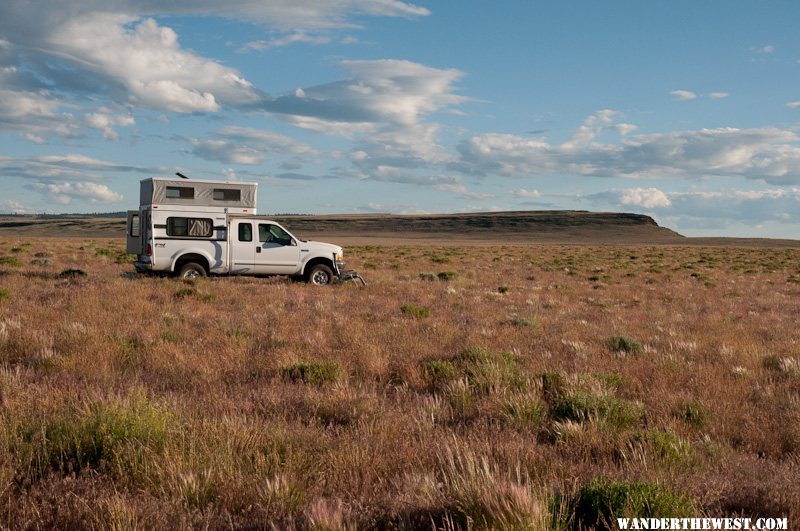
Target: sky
687, 111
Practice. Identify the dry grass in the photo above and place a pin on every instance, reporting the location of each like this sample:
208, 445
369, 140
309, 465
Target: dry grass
490, 387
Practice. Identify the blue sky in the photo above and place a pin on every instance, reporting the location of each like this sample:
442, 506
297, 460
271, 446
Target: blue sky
685, 110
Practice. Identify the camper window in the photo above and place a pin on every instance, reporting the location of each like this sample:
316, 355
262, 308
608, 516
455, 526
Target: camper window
192, 227
180, 192
135, 226
227, 194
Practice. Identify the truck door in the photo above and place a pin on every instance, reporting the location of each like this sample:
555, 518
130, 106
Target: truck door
243, 247
277, 253
133, 233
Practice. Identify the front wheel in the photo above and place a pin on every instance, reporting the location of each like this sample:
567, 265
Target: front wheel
192, 271
320, 275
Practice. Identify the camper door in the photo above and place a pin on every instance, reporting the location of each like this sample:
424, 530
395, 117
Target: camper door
134, 233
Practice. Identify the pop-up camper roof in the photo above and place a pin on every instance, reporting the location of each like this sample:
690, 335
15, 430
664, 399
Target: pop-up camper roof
189, 192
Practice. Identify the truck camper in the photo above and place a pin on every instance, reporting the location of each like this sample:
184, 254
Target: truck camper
196, 228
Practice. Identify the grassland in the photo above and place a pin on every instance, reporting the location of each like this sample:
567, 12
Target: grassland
529, 387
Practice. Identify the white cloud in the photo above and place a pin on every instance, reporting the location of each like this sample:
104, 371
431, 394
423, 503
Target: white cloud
463, 191
683, 95
718, 95
64, 193
12, 207
793, 104
530, 194
705, 208
58, 168
384, 107
768, 154
644, 197
286, 40
768, 49
115, 48
382, 91
146, 61
591, 128
106, 122
242, 145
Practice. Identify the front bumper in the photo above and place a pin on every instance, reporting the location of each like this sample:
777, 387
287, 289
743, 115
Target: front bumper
338, 266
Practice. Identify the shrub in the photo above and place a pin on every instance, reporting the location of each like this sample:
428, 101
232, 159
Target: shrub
98, 435
415, 311
447, 275
525, 322
430, 277
185, 292
504, 289
440, 371
599, 503
785, 364
581, 406
311, 373
72, 273
664, 446
11, 261
5, 294
483, 371
693, 413
522, 411
483, 496
17, 250
625, 344
552, 385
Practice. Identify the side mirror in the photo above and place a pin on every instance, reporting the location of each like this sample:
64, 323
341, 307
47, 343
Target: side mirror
294, 242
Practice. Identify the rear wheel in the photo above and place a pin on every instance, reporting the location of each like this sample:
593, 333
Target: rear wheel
320, 275
191, 271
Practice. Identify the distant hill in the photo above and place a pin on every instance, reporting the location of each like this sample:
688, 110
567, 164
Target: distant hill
557, 225
547, 226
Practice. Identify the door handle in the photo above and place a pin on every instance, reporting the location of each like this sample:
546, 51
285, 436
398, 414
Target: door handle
258, 249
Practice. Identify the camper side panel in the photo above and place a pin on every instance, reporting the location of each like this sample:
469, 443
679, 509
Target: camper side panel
177, 233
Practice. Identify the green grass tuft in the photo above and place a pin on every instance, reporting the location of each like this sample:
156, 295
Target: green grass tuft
625, 344
11, 261
415, 311
584, 406
598, 504
312, 373
73, 273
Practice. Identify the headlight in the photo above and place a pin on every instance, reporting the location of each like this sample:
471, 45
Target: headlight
339, 256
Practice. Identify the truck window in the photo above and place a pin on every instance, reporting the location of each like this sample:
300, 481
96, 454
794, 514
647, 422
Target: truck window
245, 232
273, 234
227, 194
180, 192
192, 227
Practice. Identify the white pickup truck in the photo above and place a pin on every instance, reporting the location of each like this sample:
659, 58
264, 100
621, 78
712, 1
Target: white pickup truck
195, 228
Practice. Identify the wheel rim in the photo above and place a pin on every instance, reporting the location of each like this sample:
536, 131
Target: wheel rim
191, 274
320, 278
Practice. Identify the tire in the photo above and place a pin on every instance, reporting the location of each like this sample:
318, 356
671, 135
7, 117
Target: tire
320, 275
192, 271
